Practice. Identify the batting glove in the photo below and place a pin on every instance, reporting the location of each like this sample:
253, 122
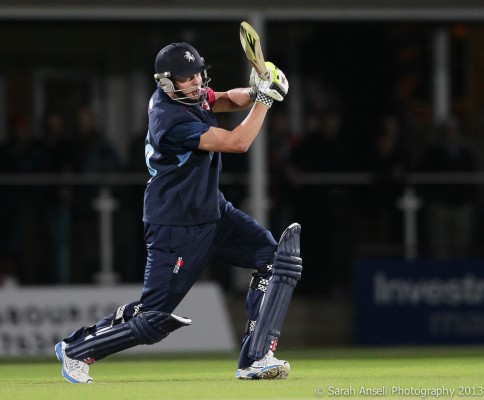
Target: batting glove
275, 87
264, 99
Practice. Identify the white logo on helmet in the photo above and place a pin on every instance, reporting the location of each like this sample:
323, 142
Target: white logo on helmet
189, 56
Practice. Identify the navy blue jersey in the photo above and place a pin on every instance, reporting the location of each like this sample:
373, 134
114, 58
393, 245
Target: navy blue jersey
183, 189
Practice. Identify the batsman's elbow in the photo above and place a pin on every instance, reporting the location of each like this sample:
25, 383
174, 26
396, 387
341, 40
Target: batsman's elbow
241, 148
238, 143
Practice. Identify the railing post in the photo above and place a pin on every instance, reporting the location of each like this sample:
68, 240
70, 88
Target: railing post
410, 204
441, 75
105, 204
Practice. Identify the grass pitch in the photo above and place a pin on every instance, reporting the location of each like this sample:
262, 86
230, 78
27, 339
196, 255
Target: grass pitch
402, 373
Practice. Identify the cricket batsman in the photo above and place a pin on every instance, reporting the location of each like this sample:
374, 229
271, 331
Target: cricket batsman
188, 222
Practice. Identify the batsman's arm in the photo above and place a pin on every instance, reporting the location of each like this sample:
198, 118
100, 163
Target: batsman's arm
232, 100
240, 138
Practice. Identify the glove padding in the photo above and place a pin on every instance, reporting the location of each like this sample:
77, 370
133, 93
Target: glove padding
275, 87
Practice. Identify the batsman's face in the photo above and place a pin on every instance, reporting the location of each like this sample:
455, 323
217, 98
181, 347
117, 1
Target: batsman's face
189, 86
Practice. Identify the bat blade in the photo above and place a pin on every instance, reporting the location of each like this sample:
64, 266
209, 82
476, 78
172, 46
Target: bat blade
252, 47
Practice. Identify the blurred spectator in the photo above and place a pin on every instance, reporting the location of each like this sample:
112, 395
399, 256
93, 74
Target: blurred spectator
389, 163
282, 172
324, 210
449, 209
22, 224
324, 146
22, 152
96, 155
60, 145
63, 158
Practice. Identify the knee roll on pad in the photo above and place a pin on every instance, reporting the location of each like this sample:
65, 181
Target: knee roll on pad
287, 260
286, 271
145, 328
289, 243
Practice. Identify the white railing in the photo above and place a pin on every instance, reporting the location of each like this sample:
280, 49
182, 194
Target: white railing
105, 204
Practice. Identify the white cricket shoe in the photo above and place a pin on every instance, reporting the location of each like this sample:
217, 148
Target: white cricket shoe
268, 367
72, 370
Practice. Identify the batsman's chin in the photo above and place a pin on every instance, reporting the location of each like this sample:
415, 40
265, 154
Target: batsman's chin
195, 95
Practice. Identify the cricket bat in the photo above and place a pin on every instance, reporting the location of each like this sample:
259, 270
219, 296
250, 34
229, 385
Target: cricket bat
251, 44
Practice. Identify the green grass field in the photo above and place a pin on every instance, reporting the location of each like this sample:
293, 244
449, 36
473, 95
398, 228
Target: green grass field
314, 374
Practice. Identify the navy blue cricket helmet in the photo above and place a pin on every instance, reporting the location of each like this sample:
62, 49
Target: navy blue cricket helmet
179, 60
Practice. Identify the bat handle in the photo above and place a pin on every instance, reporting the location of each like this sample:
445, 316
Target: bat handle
263, 73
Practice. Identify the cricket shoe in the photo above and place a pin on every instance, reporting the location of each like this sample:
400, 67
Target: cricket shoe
268, 367
72, 370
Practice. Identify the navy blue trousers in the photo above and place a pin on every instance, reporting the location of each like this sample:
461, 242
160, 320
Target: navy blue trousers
178, 254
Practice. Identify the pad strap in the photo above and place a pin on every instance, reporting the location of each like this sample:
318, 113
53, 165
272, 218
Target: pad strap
259, 283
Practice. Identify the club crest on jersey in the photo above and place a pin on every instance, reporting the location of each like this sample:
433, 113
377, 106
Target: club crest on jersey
179, 263
189, 56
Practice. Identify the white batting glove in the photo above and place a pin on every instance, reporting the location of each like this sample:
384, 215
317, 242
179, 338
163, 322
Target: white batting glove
275, 87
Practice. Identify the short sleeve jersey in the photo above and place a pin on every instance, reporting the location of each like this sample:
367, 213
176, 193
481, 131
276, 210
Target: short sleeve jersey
183, 189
